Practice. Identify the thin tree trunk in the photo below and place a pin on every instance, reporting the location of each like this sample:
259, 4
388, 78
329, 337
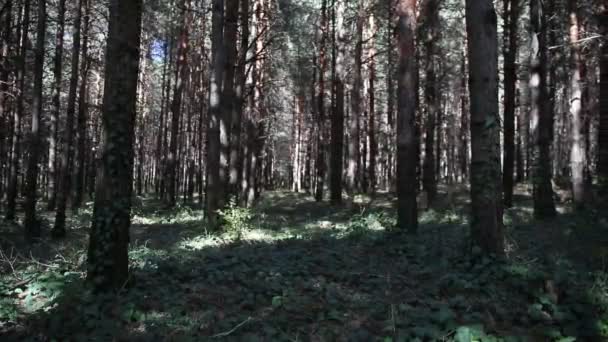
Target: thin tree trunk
32, 225
320, 130
603, 104
429, 180
68, 151
58, 79
355, 112
511, 19
337, 122
81, 124
486, 201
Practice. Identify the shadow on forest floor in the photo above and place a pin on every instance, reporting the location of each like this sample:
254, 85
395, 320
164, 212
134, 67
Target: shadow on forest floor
306, 271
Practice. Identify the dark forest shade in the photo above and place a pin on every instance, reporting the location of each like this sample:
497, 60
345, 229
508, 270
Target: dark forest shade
108, 261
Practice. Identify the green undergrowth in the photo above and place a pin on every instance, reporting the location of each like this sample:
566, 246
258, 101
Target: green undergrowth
294, 270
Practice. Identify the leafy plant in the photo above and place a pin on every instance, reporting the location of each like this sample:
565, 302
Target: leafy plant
236, 220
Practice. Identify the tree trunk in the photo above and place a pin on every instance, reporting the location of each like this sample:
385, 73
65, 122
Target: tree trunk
214, 186
65, 165
371, 124
229, 93
337, 122
429, 181
32, 225
511, 19
406, 117
578, 158
237, 110
81, 124
603, 104
108, 261
11, 197
58, 79
355, 112
540, 116
320, 129
181, 72
486, 202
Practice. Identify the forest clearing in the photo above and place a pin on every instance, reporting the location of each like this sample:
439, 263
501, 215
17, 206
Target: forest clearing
304, 170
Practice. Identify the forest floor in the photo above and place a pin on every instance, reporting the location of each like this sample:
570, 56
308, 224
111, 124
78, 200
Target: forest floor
295, 270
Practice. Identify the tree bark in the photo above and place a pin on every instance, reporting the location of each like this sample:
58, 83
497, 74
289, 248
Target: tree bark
578, 160
11, 197
511, 20
81, 124
355, 112
58, 79
108, 261
214, 185
337, 122
66, 162
406, 117
603, 103
32, 225
540, 116
486, 201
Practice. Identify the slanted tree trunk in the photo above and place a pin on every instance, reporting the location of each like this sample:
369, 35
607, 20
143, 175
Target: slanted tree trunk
63, 192
58, 79
540, 116
11, 197
406, 118
214, 186
337, 121
31, 224
108, 260
486, 191
511, 20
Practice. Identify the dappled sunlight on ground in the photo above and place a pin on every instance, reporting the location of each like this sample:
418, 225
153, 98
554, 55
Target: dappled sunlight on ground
306, 271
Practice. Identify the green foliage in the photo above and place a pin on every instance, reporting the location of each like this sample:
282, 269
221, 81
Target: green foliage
236, 220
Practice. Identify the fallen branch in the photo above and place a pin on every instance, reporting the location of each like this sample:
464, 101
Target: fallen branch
224, 334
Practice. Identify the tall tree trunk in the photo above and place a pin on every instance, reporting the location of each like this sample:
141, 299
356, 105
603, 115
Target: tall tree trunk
237, 110
371, 125
486, 201
464, 120
58, 79
355, 112
390, 97
578, 160
540, 115
81, 124
181, 72
229, 92
32, 225
68, 151
108, 260
11, 197
429, 181
511, 20
214, 185
603, 102
337, 120
320, 97
406, 118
